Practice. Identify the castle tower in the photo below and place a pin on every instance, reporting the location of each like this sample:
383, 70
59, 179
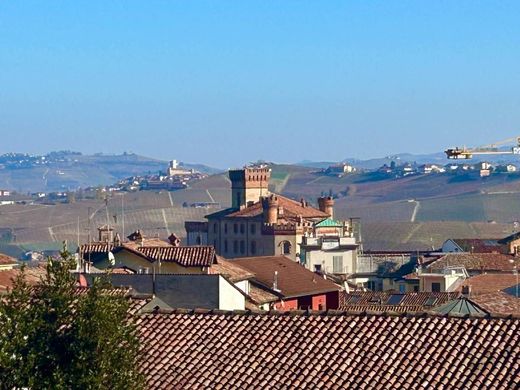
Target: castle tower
326, 205
270, 209
248, 185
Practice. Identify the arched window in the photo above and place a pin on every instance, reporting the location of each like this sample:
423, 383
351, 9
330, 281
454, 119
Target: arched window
225, 228
285, 247
253, 228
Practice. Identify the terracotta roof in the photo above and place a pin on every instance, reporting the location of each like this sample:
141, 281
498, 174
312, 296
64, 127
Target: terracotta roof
7, 260
294, 280
147, 242
233, 272
187, 256
261, 295
33, 275
475, 262
386, 301
95, 247
223, 350
291, 209
481, 245
498, 302
489, 283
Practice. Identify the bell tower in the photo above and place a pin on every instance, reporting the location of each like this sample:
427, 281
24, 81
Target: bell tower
248, 185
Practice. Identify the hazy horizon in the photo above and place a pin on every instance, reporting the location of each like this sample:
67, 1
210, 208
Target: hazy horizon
223, 84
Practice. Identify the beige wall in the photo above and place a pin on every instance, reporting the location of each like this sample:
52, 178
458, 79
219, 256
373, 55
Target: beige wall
229, 297
325, 259
136, 262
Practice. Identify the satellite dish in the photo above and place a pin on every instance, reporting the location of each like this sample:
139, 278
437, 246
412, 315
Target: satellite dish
111, 258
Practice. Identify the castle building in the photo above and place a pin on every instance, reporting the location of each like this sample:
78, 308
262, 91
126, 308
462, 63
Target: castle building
261, 223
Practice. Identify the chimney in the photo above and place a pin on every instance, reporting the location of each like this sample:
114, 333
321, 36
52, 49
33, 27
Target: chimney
326, 205
174, 240
466, 291
275, 282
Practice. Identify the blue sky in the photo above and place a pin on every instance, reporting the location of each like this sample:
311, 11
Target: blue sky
226, 82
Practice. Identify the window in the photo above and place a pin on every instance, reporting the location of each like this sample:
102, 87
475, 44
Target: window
402, 288
371, 285
436, 287
235, 246
242, 228
215, 227
198, 240
415, 288
317, 267
225, 228
253, 247
235, 228
253, 228
337, 264
395, 299
242, 247
225, 246
286, 247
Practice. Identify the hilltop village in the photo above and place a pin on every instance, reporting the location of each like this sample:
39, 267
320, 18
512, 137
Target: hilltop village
292, 284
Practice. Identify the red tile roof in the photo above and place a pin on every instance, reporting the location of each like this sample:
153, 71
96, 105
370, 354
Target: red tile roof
481, 245
187, 256
490, 262
489, 283
7, 260
291, 209
233, 272
220, 350
294, 280
32, 274
498, 302
387, 301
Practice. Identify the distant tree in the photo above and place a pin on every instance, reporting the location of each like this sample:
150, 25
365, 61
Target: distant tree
53, 337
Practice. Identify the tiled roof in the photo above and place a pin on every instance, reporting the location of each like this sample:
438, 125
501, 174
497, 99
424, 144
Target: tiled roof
196, 350
386, 301
7, 260
475, 262
498, 302
480, 245
261, 295
187, 256
95, 247
294, 280
233, 272
291, 209
489, 283
32, 275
